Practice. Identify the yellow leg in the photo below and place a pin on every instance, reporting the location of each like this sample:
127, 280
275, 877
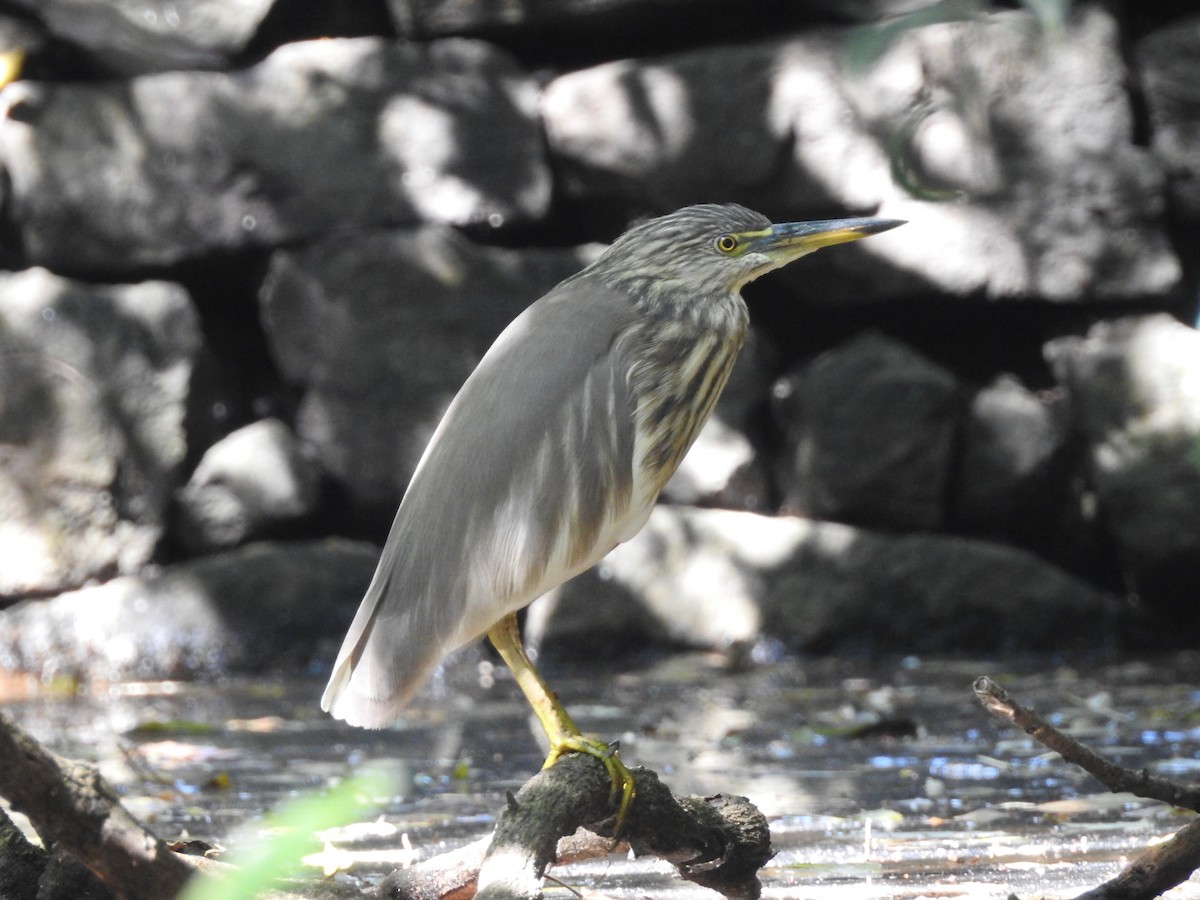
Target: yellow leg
564, 735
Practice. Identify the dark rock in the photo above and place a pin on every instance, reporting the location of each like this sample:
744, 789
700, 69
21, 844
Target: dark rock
428, 18
891, 11
713, 578
262, 605
845, 588
251, 480
690, 577
134, 36
665, 131
1012, 443
320, 135
381, 329
622, 21
431, 18
1052, 197
870, 430
1134, 390
1168, 64
91, 424
20, 38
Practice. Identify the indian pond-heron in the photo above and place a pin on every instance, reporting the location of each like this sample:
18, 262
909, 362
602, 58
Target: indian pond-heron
555, 449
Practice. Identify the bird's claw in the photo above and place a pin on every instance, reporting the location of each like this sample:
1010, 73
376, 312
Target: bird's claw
623, 785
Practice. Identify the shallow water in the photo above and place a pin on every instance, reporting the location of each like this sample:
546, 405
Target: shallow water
880, 778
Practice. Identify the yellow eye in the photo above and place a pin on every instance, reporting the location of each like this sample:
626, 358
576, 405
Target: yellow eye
727, 243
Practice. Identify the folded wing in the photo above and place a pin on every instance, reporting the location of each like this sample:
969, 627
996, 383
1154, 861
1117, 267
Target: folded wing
527, 481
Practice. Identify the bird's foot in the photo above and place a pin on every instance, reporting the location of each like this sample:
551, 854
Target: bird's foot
622, 779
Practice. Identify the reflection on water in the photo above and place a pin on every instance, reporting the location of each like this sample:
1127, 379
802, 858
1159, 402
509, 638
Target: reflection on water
881, 779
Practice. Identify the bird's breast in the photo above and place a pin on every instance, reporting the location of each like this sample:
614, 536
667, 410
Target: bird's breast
675, 386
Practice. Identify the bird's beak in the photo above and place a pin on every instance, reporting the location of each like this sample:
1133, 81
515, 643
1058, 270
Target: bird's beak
789, 240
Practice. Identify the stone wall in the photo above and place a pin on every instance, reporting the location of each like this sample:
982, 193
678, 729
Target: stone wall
252, 250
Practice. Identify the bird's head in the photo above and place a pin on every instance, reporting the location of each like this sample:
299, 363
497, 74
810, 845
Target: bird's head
718, 248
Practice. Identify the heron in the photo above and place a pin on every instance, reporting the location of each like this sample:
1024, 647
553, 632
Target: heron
555, 450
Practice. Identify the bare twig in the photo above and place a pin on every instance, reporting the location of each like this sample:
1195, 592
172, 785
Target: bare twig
720, 842
448, 876
451, 875
71, 805
1117, 779
1158, 868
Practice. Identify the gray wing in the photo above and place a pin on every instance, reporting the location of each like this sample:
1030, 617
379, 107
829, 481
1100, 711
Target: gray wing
526, 482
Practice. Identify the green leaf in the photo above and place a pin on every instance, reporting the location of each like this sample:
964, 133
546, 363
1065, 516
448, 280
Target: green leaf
288, 834
867, 44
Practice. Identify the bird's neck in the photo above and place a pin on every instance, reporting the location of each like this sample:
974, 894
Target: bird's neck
660, 299
721, 314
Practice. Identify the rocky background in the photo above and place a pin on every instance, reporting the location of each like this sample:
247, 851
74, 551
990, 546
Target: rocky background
254, 247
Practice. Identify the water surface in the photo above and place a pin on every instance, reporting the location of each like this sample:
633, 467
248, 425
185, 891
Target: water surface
880, 778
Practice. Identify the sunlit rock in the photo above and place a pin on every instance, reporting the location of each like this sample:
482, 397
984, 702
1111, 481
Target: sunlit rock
1012, 477
250, 481
1134, 391
320, 135
719, 578
95, 380
137, 36
260, 605
430, 18
582, 19
1010, 150
715, 466
1168, 63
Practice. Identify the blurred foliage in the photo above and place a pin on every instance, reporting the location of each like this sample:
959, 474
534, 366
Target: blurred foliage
904, 167
1051, 15
289, 833
867, 44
